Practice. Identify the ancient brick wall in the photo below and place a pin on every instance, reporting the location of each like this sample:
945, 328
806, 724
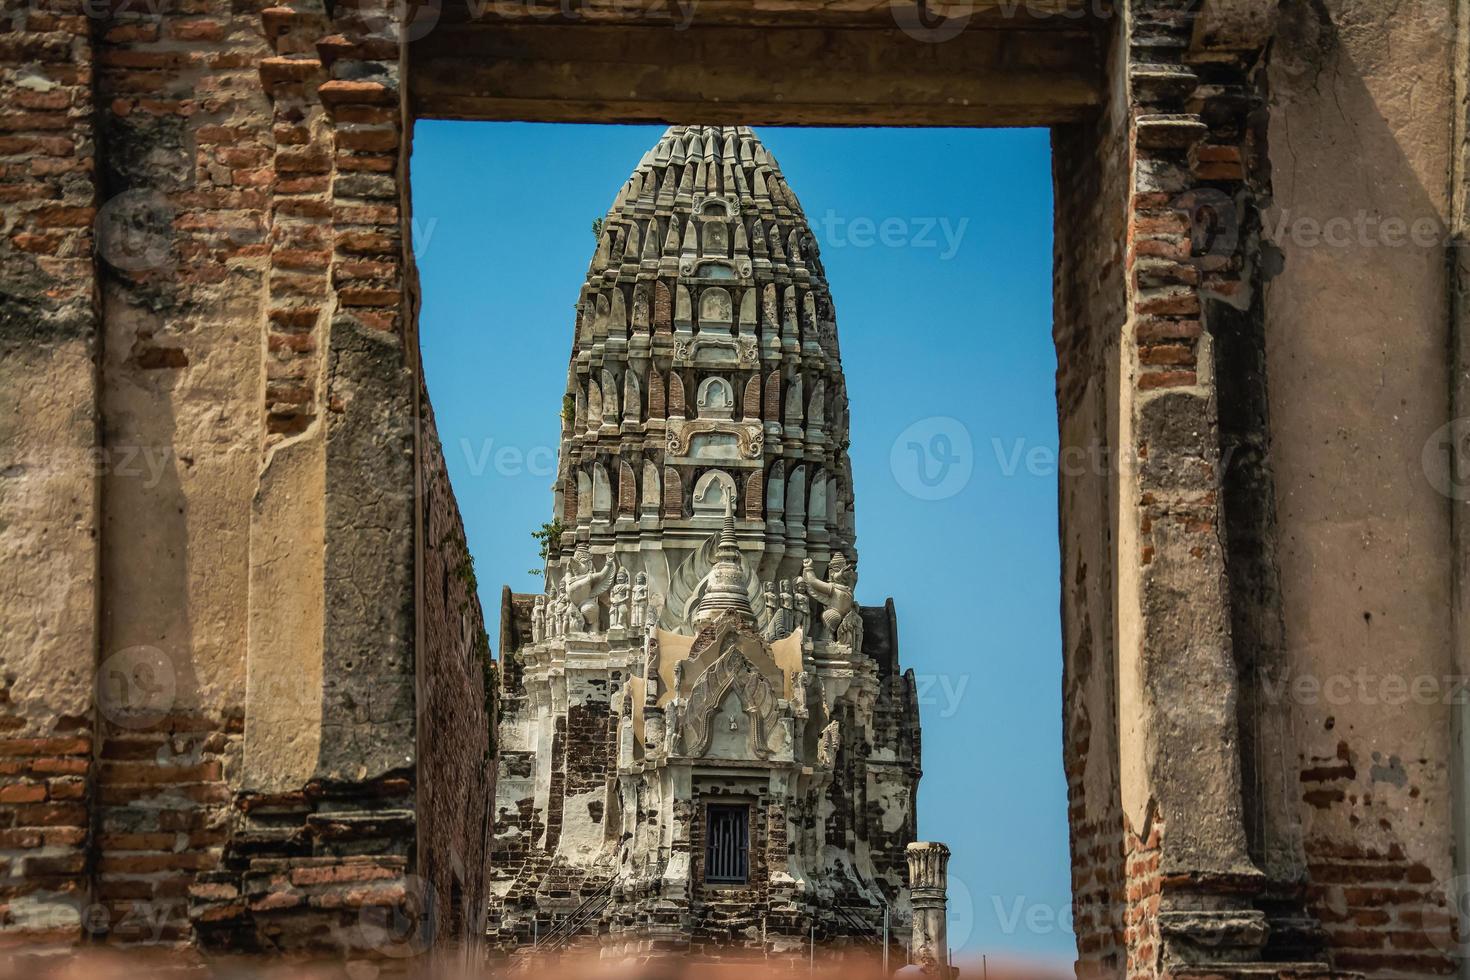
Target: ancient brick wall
48, 495
1089, 164
215, 497
1143, 883
456, 702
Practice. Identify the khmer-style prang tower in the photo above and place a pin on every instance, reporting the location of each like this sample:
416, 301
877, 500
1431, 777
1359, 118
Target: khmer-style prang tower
703, 739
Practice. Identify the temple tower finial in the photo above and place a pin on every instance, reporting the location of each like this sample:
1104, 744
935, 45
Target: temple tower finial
727, 588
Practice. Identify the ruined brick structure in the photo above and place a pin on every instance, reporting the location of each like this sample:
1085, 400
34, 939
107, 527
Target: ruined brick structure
219, 470
686, 667
236, 591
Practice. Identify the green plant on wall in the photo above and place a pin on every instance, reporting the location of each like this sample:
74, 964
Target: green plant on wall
548, 534
466, 573
596, 227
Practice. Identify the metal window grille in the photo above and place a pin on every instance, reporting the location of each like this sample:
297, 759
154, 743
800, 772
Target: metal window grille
727, 847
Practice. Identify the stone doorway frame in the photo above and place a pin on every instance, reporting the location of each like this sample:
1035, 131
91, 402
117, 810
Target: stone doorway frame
1156, 113
1155, 218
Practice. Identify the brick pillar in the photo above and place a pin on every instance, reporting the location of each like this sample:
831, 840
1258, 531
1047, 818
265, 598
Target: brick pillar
1191, 882
369, 403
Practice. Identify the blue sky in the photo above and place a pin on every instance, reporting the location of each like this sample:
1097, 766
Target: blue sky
937, 245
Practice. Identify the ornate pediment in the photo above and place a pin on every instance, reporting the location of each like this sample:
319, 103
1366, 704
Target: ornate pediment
733, 673
715, 439
713, 349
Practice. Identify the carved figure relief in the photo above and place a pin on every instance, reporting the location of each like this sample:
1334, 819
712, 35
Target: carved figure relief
585, 585
835, 594
618, 597
639, 612
538, 619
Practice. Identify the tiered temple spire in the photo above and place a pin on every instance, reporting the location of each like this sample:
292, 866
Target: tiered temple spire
706, 284
698, 719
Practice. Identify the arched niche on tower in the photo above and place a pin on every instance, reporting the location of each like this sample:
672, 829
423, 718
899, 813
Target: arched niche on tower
747, 312
715, 268
602, 500
715, 399
776, 490
817, 511
715, 239
641, 307
796, 495
652, 496
604, 313
617, 321
609, 396
714, 207
594, 406
584, 496
794, 399
716, 309
683, 307
711, 491
632, 396
816, 411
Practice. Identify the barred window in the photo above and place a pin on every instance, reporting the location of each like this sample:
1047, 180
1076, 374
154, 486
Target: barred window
727, 847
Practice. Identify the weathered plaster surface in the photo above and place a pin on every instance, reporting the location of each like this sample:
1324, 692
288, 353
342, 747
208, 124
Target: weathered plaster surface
1357, 334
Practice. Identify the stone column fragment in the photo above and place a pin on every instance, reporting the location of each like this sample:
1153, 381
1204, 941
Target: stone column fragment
928, 888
